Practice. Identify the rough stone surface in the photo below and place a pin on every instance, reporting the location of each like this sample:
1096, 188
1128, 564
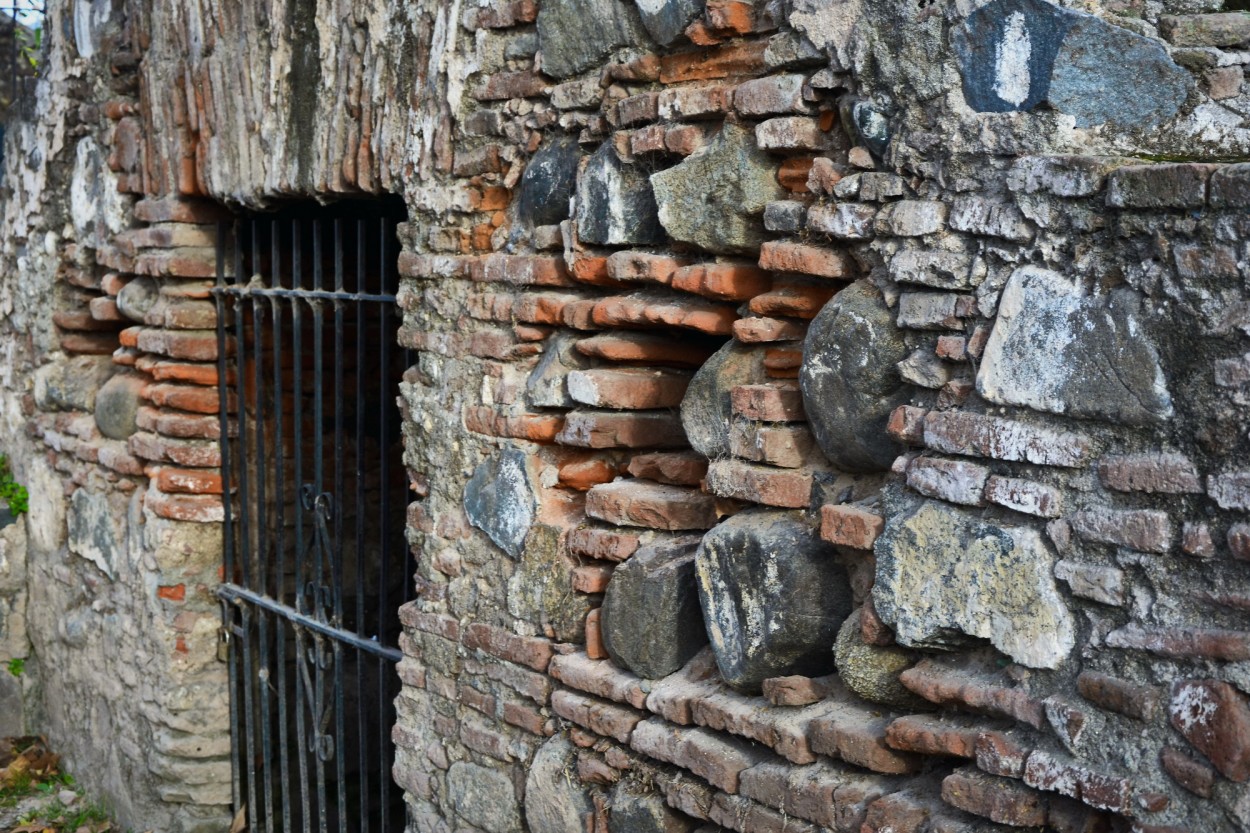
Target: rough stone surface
117, 405
634, 809
1108, 368
772, 597
138, 297
574, 35
850, 379
499, 499
93, 533
615, 204
871, 671
554, 801
72, 385
706, 410
547, 384
715, 197
548, 183
944, 575
483, 797
652, 624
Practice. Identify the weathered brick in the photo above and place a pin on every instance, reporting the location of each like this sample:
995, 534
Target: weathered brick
843, 221
1147, 530
807, 260
1097, 789
1137, 701
598, 677
1154, 473
676, 468
483, 419
773, 402
627, 388
645, 348
615, 429
850, 526
1184, 643
1191, 774
957, 481
1239, 541
650, 309
653, 505
742, 59
1173, 185
530, 651
606, 544
797, 300
694, 102
787, 446
1091, 581
929, 735
602, 718
1215, 718
795, 690
954, 432
999, 799
791, 133
929, 310
771, 95
643, 266
718, 760
725, 281
1025, 496
761, 330
1230, 489
788, 488
952, 687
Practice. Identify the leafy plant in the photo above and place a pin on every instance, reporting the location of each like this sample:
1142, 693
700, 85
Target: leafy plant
29, 45
11, 491
17, 666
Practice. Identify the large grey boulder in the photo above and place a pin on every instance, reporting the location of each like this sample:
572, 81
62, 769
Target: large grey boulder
117, 405
651, 620
615, 205
773, 597
548, 182
1055, 348
500, 499
575, 35
555, 801
715, 198
850, 379
945, 578
706, 409
72, 384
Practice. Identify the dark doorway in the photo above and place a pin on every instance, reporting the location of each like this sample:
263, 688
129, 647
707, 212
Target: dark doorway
316, 563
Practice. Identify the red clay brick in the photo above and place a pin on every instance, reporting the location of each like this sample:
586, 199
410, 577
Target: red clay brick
1154, 473
645, 348
1215, 718
1191, 774
739, 59
849, 526
602, 718
598, 677
796, 300
773, 402
650, 309
483, 419
1137, 701
642, 266
676, 468
767, 330
1024, 496
794, 690
954, 432
628, 388
622, 429
594, 636
1002, 800
930, 735
591, 578
788, 488
606, 544
583, 472
808, 260
530, 651
652, 505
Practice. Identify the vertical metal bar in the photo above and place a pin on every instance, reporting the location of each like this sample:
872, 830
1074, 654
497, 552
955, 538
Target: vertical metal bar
318, 487
245, 555
384, 386
301, 603
340, 733
362, 727
264, 669
279, 499
227, 617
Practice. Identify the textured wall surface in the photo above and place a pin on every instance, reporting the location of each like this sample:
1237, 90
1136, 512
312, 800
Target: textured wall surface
825, 415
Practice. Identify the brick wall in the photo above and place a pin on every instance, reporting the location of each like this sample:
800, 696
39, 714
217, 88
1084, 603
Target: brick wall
824, 416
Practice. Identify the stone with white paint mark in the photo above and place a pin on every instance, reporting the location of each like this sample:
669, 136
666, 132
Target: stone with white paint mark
773, 598
1055, 349
500, 500
1215, 718
944, 575
615, 203
715, 198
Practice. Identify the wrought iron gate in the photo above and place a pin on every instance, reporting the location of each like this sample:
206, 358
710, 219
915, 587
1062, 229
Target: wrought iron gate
316, 564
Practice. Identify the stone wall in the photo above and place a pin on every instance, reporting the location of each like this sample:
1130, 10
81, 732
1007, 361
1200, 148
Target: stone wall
826, 415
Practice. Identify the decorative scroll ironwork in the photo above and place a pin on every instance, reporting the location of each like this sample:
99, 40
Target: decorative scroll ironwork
315, 559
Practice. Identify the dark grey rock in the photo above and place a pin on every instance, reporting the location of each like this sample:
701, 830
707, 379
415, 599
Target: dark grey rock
850, 379
548, 183
785, 215
117, 404
575, 35
555, 801
12, 722
706, 410
615, 204
1105, 74
500, 499
871, 671
869, 126
1018, 54
483, 797
666, 20
72, 384
651, 620
773, 598
547, 385
1054, 348
715, 198
138, 297
636, 809
945, 579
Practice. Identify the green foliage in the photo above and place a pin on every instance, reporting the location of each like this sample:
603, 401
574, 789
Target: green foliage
30, 45
17, 666
11, 491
